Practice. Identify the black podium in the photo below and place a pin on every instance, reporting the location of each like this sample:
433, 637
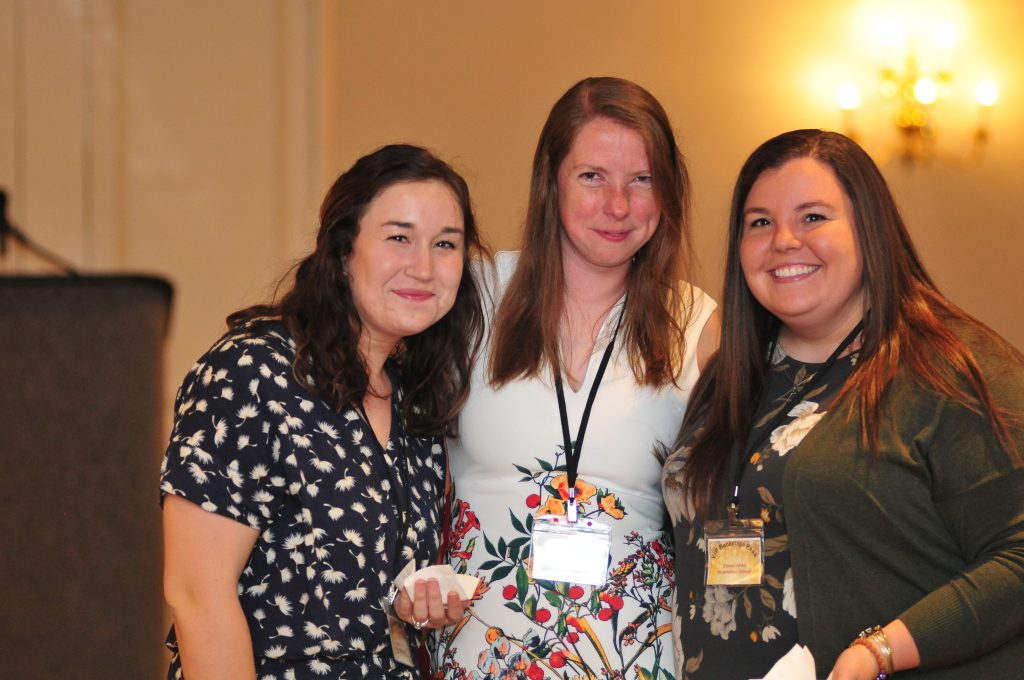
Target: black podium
81, 434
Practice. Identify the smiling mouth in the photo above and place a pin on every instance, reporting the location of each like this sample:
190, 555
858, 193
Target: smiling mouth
414, 295
616, 236
794, 270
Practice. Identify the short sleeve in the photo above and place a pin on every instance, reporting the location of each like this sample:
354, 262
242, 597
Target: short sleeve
223, 453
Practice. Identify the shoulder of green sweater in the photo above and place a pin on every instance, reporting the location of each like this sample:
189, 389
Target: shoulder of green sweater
1001, 364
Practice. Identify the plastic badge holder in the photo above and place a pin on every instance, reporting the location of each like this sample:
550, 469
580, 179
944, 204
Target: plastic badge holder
570, 552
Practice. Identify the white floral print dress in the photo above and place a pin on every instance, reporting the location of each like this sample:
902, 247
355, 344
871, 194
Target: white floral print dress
508, 468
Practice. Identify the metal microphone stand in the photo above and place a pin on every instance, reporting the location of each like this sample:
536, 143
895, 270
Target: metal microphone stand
8, 230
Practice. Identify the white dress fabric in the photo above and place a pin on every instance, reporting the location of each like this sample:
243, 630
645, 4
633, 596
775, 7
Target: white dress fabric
509, 466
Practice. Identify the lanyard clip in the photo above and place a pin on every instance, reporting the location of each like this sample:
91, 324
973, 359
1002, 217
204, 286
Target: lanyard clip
570, 508
733, 509
387, 601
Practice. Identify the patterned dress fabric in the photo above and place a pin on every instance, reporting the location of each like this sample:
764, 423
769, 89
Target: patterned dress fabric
251, 444
738, 633
509, 467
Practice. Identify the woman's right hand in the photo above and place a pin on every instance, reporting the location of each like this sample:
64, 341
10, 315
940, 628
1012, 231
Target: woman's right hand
427, 609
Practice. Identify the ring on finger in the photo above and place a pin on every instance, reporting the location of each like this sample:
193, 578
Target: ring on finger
418, 625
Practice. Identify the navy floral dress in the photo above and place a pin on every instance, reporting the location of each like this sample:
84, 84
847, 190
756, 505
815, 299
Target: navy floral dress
737, 633
250, 443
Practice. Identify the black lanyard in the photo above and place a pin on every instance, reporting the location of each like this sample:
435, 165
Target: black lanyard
744, 459
394, 472
574, 453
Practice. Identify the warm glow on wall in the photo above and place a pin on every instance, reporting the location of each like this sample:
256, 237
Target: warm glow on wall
916, 46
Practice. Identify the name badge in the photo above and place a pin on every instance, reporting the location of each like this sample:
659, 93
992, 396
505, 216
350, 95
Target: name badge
401, 649
735, 552
572, 552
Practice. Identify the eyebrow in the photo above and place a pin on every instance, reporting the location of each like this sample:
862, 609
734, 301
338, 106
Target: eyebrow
409, 225
803, 206
598, 167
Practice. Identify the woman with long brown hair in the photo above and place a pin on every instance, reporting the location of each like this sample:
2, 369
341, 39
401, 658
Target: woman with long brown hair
594, 332
851, 462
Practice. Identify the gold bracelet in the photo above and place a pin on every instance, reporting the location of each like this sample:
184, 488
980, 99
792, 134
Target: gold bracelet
877, 642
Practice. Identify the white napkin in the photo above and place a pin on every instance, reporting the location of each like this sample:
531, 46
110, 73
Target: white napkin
446, 577
797, 664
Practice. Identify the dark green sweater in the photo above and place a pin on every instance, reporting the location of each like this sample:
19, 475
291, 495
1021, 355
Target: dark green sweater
931, 532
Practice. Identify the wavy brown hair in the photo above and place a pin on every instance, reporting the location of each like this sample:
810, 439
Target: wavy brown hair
907, 324
433, 366
527, 320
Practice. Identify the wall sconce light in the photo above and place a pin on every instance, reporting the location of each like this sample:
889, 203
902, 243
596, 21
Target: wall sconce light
914, 91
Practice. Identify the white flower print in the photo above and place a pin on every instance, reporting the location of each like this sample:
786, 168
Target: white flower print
788, 595
357, 594
275, 652
346, 483
282, 603
198, 473
787, 436
332, 576
328, 429
769, 633
258, 589
314, 631
720, 611
354, 537
319, 667
247, 411
271, 461
220, 431
202, 456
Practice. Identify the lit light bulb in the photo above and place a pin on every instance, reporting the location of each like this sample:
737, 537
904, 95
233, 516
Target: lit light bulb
848, 97
986, 93
890, 34
945, 36
926, 91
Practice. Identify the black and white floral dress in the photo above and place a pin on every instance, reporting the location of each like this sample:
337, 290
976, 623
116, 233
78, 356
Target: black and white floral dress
251, 444
737, 633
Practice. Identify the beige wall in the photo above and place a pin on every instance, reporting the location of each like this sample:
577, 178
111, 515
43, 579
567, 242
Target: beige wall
475, 81
193, 138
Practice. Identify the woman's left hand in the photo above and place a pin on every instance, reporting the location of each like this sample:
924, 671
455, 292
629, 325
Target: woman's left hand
427, 609
855, 663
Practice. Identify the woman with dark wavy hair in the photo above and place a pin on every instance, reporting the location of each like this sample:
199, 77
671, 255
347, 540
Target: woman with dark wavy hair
306, 465
862, 426
594, 313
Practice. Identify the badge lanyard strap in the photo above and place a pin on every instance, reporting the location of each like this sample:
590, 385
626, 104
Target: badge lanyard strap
401, 494
742, 463
574, 453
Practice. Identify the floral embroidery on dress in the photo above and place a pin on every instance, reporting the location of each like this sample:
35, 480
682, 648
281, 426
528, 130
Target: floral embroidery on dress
559, 639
